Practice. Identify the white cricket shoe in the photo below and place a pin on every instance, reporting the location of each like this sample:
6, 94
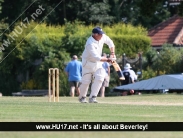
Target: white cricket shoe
83, 100
93, 100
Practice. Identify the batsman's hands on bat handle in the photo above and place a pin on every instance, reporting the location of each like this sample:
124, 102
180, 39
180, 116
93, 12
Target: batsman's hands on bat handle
104, 59
109, 60
113, 57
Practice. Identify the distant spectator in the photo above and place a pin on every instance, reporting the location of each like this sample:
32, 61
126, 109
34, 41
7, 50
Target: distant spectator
73, 71
105, 83
131, 92
130, 76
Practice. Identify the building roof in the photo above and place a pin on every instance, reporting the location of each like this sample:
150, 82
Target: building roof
169, 31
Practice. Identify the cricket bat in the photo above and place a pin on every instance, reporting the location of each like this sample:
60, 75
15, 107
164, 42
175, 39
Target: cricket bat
118, 70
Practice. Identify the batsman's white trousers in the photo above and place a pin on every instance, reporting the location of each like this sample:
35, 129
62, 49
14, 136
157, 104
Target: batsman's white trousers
91, 71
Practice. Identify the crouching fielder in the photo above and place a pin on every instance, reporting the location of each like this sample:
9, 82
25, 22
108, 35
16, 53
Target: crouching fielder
92, 64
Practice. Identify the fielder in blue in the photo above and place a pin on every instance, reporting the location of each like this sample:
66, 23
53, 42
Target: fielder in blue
73, 71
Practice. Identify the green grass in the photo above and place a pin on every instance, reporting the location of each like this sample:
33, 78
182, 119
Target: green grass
137, 108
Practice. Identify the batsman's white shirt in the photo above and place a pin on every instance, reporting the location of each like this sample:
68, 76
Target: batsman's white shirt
93, 49
92, 66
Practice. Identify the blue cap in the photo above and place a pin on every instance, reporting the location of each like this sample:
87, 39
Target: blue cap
97, 30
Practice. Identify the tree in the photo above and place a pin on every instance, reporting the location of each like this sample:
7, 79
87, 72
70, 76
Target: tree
168, 60
141, 12
29, 57
168, 57
107, 12
95, 12
75, 37
1, 1
180, 9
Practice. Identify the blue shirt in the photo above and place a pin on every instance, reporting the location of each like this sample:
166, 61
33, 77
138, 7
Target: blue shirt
106, 65
74, 69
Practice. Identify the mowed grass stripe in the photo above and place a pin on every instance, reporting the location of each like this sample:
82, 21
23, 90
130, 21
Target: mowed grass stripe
125, 108
143, 108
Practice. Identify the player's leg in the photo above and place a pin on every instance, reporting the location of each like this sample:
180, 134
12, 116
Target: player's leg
102, 89
85, 82
77, 88
104, 85
72, 88
99, 76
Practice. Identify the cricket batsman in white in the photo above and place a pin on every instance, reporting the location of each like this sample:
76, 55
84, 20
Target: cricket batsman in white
92, 64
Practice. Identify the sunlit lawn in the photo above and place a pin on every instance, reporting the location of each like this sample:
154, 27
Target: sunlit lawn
137, 108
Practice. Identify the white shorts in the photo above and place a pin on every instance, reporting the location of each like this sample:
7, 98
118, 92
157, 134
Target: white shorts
106, 81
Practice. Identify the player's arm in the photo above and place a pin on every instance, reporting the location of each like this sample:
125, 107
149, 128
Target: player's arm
112, 50
67, 70
112, 54
110, 44
67, 73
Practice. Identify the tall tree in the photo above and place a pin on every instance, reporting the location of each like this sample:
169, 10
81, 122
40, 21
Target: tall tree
95, 12
30, 59
146, 13
168, 60
1, 1
180, 9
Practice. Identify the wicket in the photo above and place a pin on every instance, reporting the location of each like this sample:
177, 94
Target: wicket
53, 84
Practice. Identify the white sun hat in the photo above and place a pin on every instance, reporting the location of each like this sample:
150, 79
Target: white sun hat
127, 66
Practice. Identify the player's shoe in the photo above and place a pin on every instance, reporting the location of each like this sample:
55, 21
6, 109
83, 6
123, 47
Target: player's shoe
93, 100
83, 100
